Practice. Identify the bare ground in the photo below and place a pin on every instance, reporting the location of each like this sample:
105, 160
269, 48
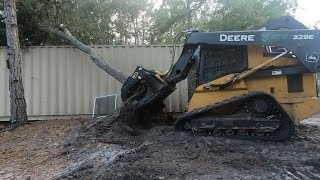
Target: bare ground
94, 149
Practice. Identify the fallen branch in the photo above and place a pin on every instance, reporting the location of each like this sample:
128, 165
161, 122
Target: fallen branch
64, 34
146, 143
116, 157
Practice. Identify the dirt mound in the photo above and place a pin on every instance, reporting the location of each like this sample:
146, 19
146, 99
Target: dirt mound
104, 148
114, 152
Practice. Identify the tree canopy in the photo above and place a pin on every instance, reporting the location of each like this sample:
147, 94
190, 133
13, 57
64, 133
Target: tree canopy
138, 21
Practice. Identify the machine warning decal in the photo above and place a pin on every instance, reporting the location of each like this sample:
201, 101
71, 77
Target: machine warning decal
312, 57
276, 72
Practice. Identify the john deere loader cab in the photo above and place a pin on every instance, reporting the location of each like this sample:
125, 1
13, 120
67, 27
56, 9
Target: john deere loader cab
250, 84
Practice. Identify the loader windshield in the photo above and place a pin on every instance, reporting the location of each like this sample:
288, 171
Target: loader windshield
218, 61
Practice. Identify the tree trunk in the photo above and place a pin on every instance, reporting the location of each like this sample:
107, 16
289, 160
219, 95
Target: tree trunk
17, 101
98, 60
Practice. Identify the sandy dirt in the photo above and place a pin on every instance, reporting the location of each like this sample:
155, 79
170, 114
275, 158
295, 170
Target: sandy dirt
98, 149
34, 151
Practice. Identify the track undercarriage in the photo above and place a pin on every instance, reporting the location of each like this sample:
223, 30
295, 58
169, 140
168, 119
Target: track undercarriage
251, 116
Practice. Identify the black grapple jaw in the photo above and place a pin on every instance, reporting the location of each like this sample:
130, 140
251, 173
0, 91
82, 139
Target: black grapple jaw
145, 88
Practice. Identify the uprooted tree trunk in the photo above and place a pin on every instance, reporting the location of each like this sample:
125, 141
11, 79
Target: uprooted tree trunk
125, 112
64, 34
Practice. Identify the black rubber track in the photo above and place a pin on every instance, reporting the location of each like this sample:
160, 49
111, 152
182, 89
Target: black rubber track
284, 132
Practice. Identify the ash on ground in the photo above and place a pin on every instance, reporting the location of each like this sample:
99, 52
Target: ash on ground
106, 149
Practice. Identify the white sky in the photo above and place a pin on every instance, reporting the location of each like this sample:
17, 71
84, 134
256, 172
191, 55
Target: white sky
308, 12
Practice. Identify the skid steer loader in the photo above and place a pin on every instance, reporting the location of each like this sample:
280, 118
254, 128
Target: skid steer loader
250, 84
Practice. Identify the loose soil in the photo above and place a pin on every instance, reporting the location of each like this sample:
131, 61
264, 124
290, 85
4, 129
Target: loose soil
105, 149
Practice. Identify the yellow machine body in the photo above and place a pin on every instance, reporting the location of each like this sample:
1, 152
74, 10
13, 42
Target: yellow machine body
298, 105
251, 85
